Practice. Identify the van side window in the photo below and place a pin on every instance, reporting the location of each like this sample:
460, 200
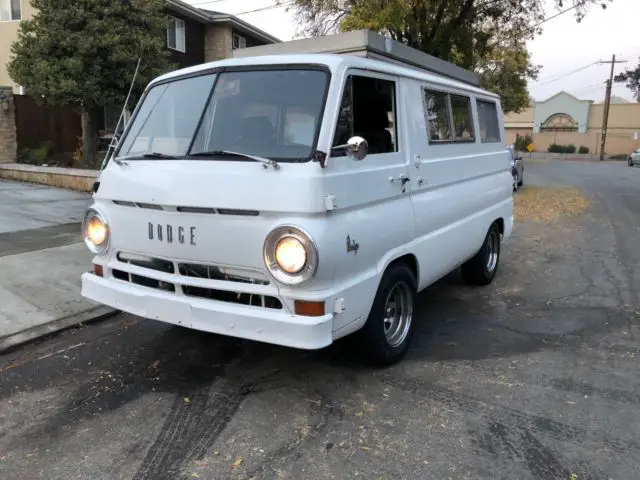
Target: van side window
437, 112
449, 117
462, 118
368, 110
488, 120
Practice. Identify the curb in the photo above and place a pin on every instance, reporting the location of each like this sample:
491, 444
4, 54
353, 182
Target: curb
48, 329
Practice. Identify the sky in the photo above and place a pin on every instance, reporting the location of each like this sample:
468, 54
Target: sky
563, 47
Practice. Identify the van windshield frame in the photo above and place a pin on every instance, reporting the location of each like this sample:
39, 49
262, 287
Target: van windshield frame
201, 107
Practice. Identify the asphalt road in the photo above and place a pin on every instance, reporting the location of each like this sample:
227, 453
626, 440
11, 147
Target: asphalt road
534, 377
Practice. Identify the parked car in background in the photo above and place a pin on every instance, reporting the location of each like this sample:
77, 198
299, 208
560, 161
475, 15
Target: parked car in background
634, 158
517, 168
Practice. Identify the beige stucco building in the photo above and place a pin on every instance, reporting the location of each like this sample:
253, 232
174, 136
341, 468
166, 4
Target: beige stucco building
11, 12
565, 119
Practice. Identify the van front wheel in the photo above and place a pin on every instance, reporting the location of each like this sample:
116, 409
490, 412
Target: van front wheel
482, 268
389, 328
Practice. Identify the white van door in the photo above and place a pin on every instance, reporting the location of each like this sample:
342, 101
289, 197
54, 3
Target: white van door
372, 195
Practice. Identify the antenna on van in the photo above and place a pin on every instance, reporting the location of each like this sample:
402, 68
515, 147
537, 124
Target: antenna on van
113, 142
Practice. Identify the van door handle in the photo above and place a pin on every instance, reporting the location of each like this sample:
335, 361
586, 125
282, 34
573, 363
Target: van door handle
400, 178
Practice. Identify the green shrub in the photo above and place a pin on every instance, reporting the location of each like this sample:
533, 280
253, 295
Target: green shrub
35, 156
555, 148
522, 142
583, 149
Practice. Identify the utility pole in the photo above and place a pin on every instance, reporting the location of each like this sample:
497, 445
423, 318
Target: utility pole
607, 103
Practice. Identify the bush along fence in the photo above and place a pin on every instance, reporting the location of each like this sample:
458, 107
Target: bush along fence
555, 148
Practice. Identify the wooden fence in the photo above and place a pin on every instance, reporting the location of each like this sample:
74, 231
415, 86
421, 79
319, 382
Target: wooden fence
37, 125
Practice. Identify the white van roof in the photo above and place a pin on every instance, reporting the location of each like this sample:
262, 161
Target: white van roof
334, 62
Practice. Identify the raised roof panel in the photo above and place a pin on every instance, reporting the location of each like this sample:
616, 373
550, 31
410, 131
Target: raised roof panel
369, 44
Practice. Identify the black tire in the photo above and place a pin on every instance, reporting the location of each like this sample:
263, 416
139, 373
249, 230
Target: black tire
477, 271
377, 349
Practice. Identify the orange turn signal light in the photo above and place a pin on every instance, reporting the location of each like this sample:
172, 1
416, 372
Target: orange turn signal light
97, 269
309, 309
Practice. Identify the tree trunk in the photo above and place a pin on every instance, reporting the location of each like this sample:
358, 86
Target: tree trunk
89, 119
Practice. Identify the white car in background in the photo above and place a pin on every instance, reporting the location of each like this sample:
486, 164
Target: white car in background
634, 158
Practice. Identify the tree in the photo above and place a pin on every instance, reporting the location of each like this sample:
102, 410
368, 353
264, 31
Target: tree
632, 79
84, 55
487, 36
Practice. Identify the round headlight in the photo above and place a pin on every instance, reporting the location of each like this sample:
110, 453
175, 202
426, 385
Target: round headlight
290, 255
95, 231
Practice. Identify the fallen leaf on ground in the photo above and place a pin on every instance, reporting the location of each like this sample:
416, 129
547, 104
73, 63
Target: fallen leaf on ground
186, 400
237, 462
547, 204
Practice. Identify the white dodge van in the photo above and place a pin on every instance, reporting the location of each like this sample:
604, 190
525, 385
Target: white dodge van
296, 199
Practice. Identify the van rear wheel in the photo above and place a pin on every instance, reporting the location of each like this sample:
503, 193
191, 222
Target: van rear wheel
482, 268
389, 328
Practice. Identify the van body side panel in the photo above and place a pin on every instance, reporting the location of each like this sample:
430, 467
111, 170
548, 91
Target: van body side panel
373, 215
457, 190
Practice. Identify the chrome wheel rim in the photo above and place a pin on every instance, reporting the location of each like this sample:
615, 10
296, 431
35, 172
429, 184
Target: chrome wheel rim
493, 246
398, 314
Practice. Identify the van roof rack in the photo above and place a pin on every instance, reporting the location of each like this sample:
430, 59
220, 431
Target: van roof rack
368, 44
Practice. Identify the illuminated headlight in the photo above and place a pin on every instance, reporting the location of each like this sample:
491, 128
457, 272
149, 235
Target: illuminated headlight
95, 231
290, 255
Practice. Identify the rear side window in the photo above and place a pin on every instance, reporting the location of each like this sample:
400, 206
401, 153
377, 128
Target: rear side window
488, 120
448, 117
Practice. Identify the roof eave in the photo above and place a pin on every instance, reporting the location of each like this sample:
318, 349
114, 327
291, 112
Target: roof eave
188, 11
244, 26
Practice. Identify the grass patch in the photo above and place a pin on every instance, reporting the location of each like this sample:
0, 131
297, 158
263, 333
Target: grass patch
548, 204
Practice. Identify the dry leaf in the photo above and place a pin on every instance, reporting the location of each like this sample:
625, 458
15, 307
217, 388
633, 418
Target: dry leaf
366, 449
359, 414
547, 204
237, 462
195, 475
186, 400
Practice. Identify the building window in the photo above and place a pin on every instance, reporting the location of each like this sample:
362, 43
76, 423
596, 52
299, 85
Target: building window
239, 41
10, 10
488, 120
175, 34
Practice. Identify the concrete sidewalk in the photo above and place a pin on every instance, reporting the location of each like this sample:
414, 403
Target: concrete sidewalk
41, 259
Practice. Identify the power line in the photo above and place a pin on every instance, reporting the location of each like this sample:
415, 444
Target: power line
194, 4
561, 12
286, 4
260, 9
564, 75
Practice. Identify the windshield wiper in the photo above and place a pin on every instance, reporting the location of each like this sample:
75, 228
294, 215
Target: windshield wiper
120, 160
265, 161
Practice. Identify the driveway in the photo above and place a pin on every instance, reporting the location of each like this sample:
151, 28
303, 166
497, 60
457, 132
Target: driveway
534, 377
33, 217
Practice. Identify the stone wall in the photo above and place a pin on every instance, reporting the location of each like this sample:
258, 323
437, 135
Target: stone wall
8, 138
218, 42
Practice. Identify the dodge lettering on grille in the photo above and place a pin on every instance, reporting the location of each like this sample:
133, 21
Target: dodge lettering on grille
169, 233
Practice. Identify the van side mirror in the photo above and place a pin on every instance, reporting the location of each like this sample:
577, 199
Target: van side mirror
356, 148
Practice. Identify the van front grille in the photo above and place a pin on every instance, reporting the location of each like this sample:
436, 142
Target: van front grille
187, 209
181, 273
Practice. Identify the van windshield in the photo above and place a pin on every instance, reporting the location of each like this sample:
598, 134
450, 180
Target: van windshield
271, 113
